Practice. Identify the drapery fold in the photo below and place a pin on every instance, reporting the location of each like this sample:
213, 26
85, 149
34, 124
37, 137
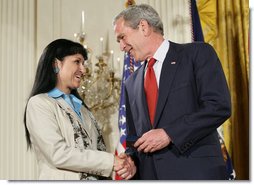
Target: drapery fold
226, 26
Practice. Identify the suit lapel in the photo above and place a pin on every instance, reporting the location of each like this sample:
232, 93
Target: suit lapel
86, 125
141, 98
167, 75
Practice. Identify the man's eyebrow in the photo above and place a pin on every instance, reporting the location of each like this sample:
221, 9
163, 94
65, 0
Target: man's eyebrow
119, 37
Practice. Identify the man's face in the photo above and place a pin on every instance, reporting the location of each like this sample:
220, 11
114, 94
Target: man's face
130, 39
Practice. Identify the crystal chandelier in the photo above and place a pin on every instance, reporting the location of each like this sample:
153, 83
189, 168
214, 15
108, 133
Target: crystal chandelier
99, 88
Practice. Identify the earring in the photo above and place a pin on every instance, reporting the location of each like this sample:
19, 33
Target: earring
56, 70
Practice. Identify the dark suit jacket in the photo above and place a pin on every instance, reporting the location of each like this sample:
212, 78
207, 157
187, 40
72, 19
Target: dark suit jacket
193, 102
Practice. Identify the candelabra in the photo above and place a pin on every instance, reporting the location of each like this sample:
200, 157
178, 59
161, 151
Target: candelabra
100, 89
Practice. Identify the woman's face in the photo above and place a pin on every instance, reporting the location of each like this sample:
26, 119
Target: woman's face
71, 70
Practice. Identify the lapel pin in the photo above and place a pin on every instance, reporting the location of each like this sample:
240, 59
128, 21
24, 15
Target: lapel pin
173, 62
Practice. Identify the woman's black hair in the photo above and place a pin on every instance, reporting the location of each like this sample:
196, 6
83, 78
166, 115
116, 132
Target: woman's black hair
46, 78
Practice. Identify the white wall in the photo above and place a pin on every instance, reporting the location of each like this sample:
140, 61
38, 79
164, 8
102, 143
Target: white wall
17, 61
26, 27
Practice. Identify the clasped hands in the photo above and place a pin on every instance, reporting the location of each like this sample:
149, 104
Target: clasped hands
151, 141
124, 166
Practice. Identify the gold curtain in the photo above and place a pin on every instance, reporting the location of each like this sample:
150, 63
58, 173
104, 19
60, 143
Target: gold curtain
225, 25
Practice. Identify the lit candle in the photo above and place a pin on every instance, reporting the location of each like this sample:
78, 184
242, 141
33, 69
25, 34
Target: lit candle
118, 63
83, 21
101, 41
112, 59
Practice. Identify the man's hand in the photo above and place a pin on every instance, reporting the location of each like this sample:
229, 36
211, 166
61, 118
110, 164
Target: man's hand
152, 141
126, 167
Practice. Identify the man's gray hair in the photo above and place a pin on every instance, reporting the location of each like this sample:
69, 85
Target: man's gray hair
135, 13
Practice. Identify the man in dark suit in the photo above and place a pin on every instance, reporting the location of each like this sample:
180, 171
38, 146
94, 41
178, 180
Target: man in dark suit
176, 125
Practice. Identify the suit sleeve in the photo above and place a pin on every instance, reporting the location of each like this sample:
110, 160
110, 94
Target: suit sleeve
213, 100
47, 138
131, 132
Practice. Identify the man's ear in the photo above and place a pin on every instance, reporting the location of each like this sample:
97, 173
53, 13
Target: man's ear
145, 27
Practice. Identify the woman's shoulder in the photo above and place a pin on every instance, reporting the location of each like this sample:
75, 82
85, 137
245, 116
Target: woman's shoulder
39, 99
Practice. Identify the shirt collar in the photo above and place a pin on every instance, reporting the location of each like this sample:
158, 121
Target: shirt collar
55, 93
161, 52
77, 102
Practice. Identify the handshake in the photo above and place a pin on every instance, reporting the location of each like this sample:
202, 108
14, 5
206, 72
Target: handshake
149, 142
124, 166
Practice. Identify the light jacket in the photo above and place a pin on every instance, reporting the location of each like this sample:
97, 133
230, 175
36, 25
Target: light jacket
65, 148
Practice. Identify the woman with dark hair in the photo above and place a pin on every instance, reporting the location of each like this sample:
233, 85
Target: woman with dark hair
59, 127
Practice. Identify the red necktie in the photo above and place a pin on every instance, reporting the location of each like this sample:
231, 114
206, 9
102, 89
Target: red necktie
151, 89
